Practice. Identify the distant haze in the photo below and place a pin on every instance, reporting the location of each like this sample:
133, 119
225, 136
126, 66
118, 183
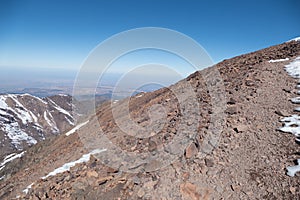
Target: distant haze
46, 82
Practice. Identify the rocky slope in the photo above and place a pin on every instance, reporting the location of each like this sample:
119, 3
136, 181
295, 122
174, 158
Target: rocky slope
26, 119
246, 161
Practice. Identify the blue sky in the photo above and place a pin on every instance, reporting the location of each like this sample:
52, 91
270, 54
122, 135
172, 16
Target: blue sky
60, 34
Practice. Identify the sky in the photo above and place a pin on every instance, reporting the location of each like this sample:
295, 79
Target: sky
60, 34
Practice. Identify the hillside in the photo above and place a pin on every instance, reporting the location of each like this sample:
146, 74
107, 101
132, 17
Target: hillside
26, 119
225, 138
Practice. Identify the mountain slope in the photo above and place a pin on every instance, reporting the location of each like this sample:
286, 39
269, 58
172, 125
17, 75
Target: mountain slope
26, 119
248, 162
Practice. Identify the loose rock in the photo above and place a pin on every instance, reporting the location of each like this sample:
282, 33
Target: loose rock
191, 150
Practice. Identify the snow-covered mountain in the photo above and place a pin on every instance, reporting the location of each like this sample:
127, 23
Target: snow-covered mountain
26, 119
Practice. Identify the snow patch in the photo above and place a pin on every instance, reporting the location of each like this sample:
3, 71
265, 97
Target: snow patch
69, 121
28, 188
295, 100
2, 112
295, 39
24, 116
67, 166
140, 95
17, 135
278, 60
63, 95
291, 125
47, 119
38, 126
293, 68
64, 111
10, 158
3, 104
61, 110
35, 119
292, 170
51, 123
76, 128
15, 99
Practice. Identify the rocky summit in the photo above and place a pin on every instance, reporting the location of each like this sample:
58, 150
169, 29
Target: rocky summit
214, 135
